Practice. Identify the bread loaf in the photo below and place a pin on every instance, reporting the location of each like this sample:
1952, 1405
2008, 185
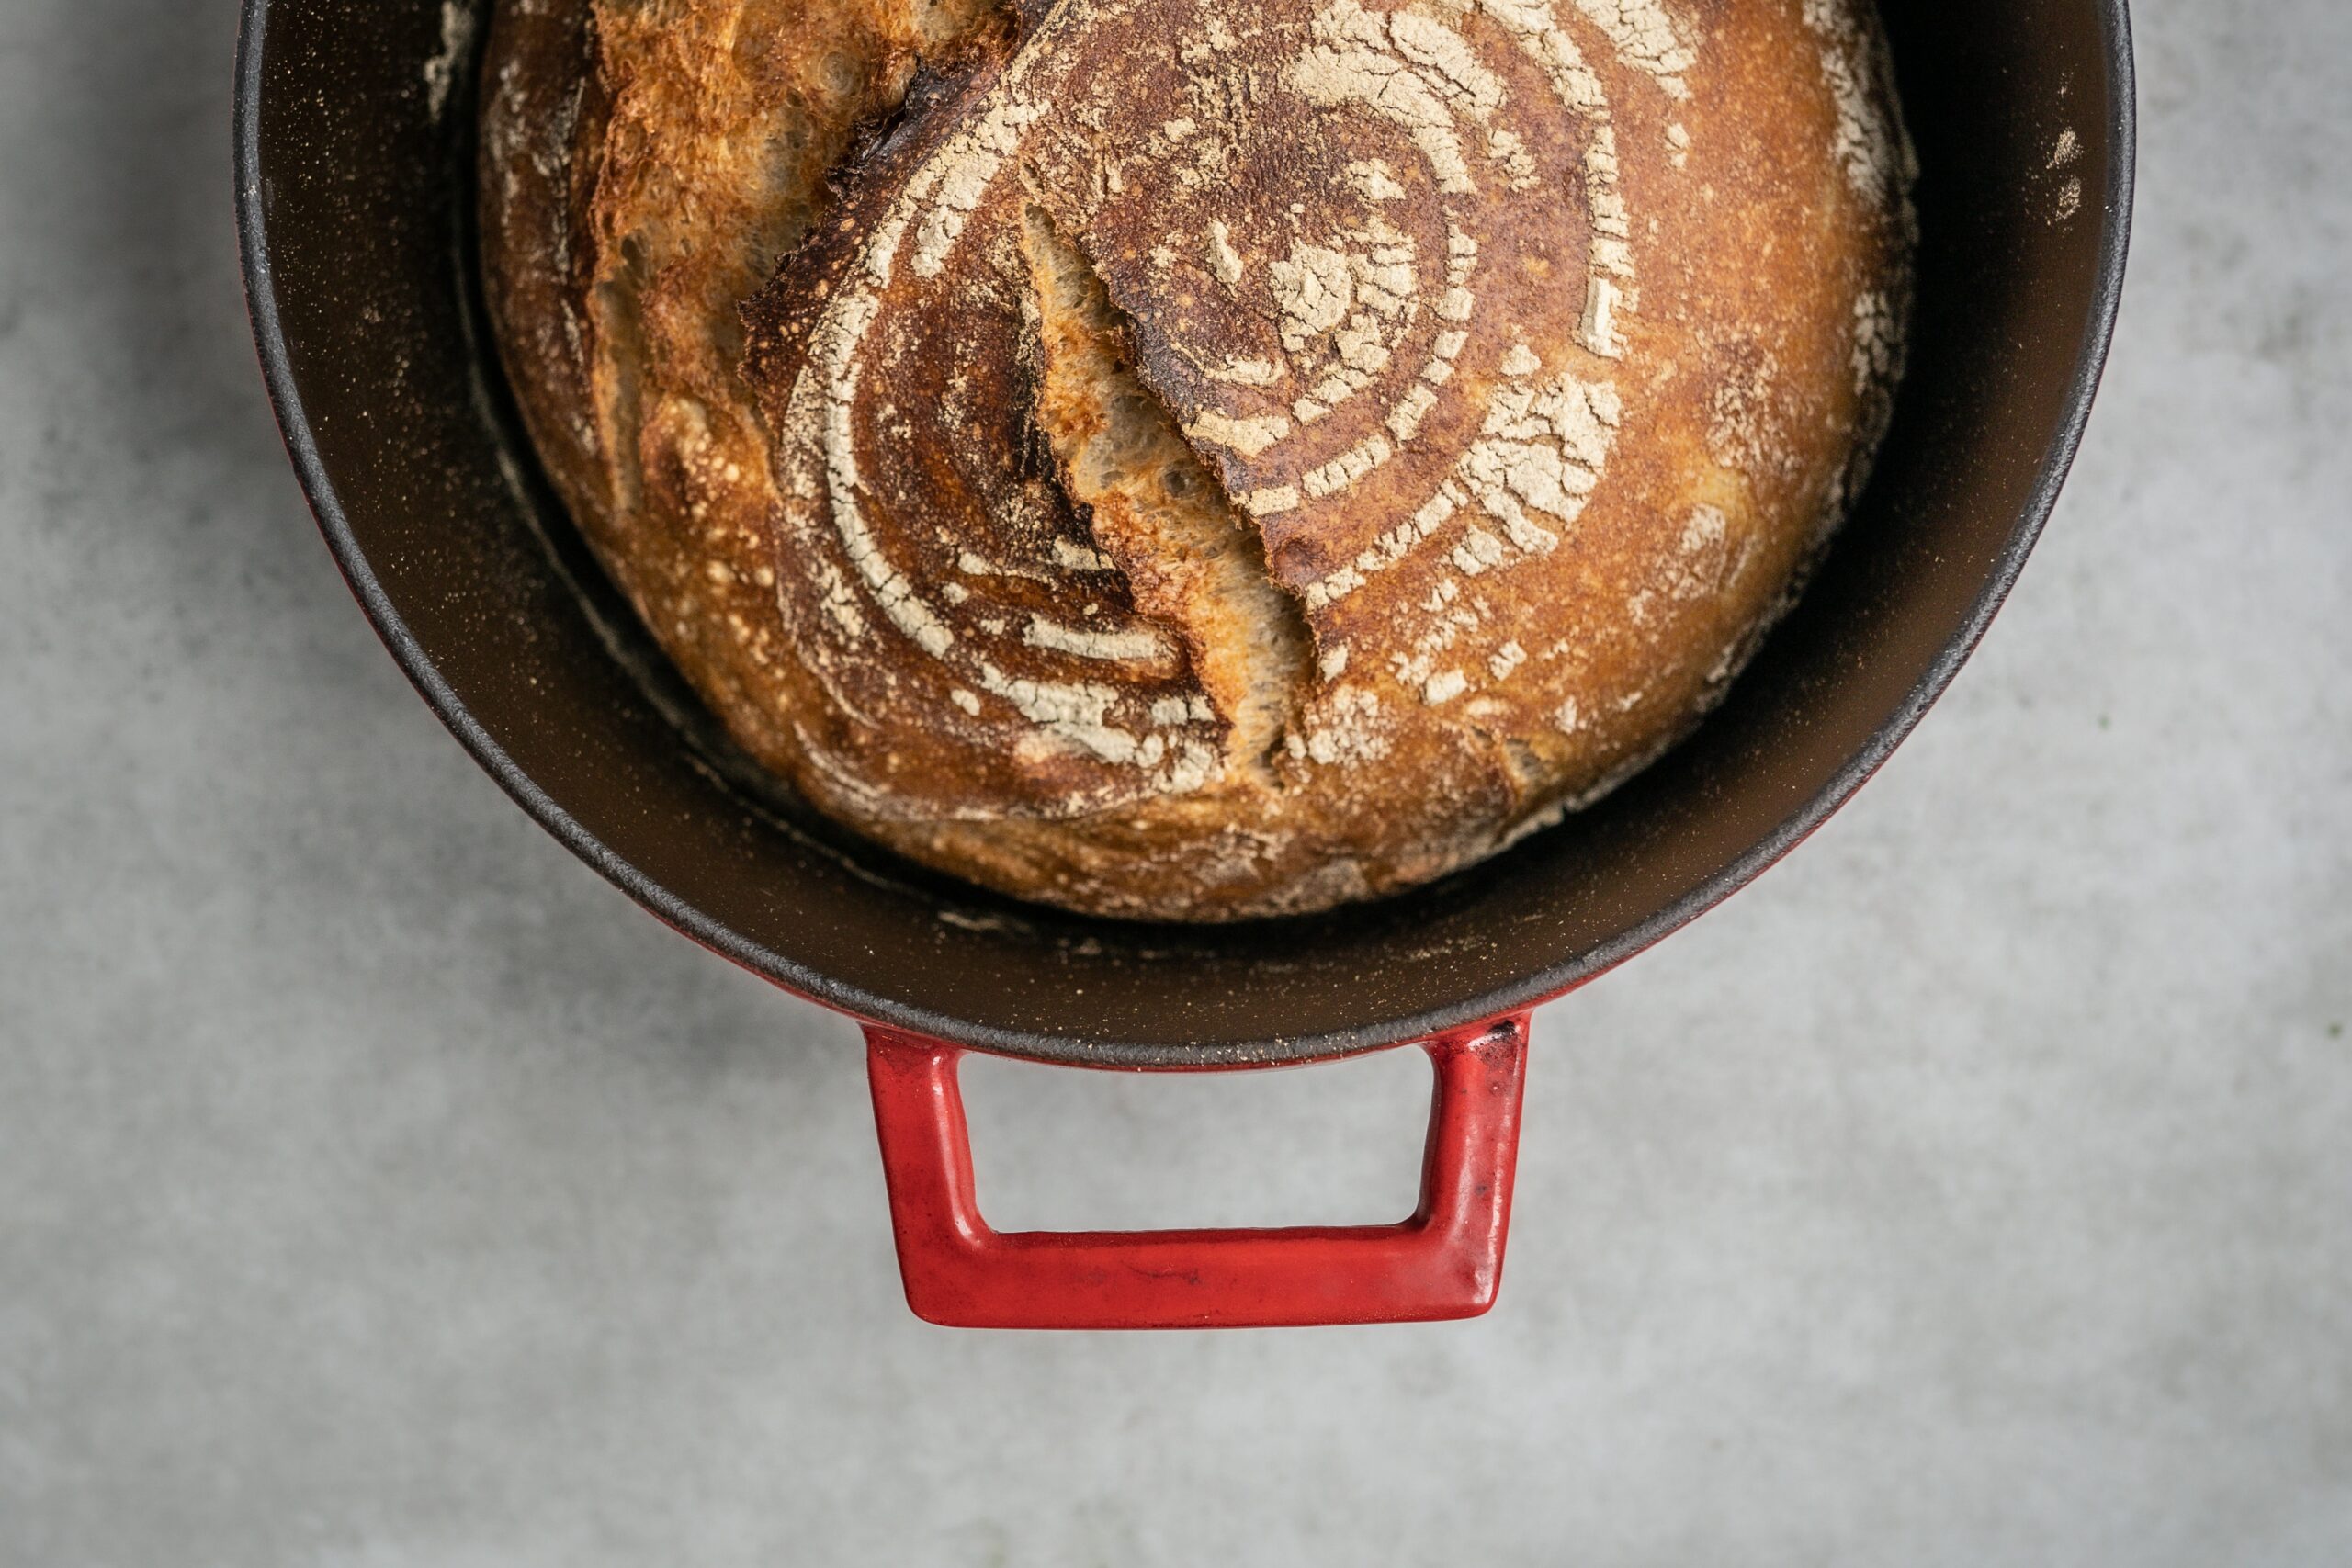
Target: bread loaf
1199, 459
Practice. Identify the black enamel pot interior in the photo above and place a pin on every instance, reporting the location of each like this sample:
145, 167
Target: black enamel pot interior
354, 157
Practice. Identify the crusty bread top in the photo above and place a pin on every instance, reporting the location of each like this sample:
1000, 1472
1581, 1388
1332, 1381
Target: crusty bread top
1209, 457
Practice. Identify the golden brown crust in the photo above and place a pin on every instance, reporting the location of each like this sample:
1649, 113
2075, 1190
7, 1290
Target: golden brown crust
1209, 457
644, 169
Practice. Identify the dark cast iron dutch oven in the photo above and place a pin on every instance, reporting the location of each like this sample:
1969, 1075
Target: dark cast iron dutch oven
355, 193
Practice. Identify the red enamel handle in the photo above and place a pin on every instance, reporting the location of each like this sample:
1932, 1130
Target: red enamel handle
1444, 1262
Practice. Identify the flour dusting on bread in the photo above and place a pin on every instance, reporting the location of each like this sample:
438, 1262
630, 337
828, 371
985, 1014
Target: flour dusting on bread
1199, 459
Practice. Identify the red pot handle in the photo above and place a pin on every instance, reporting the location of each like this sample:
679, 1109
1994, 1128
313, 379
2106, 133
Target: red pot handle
1444, 1262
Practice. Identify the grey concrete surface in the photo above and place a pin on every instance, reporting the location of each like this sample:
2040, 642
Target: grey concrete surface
380, 1190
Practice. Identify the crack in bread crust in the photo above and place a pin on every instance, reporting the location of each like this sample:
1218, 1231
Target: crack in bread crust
1201, 458
1191, 560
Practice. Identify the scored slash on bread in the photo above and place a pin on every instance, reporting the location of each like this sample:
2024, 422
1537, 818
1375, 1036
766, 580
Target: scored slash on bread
1197, 459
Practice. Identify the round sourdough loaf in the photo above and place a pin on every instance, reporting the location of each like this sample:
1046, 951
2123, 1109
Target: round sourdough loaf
1199, 459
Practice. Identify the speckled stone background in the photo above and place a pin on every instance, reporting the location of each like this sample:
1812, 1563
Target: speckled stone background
378, 1188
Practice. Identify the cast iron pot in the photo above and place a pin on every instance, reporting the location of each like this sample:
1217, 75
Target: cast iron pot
354, 159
